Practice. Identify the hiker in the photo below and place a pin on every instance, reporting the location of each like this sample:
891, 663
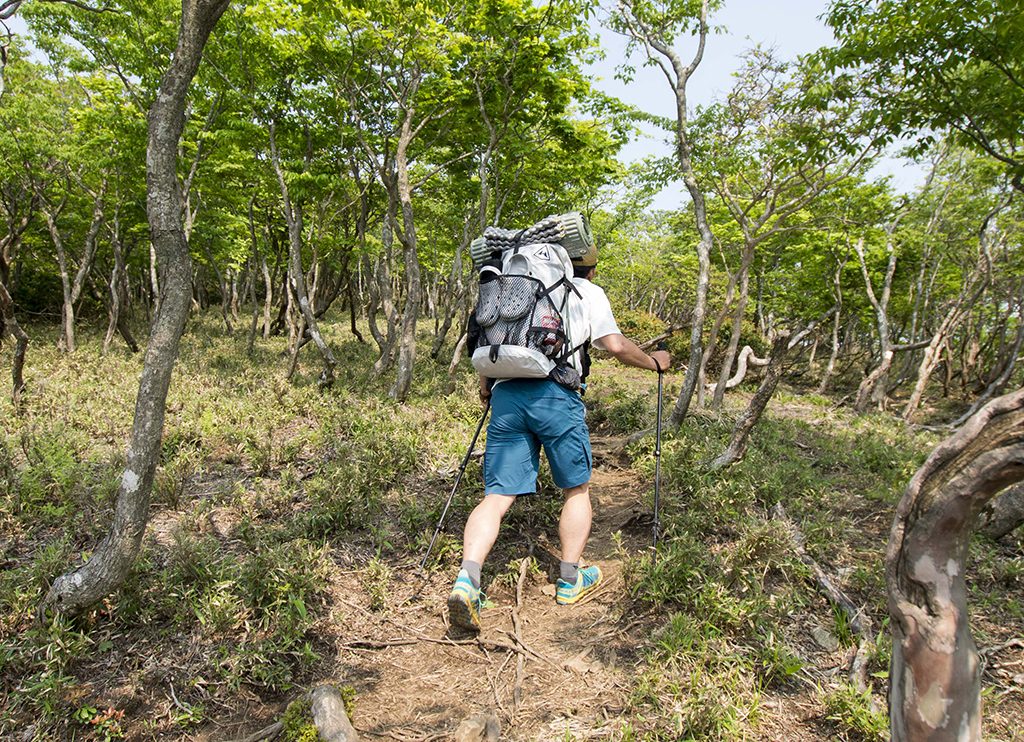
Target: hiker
525, 414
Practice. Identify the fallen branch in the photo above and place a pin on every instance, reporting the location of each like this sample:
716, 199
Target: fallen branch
663, 336
859, 622
517, 689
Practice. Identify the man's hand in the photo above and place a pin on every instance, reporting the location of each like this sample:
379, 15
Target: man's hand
663, 359
485, 390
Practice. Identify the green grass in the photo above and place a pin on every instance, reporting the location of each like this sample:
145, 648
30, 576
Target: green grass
309, 477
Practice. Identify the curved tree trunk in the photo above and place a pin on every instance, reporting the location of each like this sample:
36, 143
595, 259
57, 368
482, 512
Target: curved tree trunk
716, 327
1000, 381
8, 321
746, 422
935, 679
746, 357
108, 566
874, 386
679, 75
972, 290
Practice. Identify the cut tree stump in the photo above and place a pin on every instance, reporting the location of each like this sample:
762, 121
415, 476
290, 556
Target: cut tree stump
328, 709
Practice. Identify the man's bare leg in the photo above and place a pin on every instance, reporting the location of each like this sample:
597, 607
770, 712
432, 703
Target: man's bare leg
482, 527
574, 523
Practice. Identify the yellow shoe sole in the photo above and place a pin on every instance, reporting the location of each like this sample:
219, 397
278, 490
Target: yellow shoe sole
462, 612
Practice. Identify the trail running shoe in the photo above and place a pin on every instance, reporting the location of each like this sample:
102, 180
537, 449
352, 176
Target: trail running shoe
464, 603
587, 579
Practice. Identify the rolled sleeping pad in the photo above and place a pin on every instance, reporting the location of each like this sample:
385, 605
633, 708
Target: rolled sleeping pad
570, 230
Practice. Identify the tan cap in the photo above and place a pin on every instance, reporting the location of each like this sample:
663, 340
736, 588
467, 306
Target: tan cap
588, 258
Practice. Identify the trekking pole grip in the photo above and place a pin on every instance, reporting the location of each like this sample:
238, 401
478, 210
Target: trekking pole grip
662, 345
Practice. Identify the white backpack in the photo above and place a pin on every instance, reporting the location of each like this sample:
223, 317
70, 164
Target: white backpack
531, 317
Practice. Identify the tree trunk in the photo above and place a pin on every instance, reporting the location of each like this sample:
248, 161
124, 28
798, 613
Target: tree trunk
268, 296
873, 388
9, 324
1000, 381
108, 566
293, 216
67, 311
716, 327
746, 422
830, 367
679, 76
223, 286
251, 290
118, 293
329, 717
737, 325
352, 311
935, 679
454, 298
972, 290
413, 284
381, 297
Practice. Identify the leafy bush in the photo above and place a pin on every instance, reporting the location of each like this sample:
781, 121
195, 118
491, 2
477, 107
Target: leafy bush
638, 325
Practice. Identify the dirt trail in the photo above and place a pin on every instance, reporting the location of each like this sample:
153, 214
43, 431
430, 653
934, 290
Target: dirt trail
566, 674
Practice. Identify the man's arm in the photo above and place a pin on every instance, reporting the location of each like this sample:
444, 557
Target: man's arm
626, 351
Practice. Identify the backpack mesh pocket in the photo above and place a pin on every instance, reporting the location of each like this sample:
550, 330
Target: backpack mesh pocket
518, 296
488, 303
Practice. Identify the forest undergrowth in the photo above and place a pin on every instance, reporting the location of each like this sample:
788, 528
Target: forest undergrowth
287, 525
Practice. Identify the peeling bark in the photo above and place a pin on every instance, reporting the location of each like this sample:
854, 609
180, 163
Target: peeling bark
108, 566
935, 680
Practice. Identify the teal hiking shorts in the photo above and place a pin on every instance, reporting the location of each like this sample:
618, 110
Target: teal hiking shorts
525, 415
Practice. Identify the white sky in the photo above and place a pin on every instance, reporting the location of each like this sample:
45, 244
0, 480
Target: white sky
791, 27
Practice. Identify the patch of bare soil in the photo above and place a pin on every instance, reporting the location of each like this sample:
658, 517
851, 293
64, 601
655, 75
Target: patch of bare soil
546, 671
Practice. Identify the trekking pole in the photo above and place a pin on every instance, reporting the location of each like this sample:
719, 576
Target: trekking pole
458, 478
657, 461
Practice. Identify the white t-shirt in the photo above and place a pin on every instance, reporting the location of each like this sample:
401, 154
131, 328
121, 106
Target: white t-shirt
599, 311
